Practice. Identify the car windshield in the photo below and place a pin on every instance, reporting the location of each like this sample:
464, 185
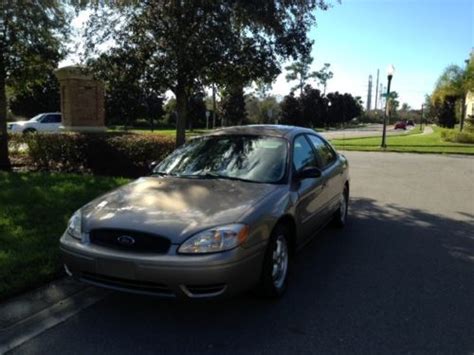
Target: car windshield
36, 118
248, 158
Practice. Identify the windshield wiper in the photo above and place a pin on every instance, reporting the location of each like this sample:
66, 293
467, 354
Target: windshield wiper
211, 175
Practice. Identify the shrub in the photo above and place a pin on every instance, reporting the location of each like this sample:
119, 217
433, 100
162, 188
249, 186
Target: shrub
114, 154
451, 135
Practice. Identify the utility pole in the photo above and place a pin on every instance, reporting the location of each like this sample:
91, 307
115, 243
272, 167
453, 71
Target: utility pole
369, 94
377, 89
390, 71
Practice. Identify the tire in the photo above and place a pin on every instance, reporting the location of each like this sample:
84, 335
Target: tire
340, 216
274, 278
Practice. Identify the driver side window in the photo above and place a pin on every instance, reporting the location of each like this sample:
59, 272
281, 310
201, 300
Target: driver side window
303, 154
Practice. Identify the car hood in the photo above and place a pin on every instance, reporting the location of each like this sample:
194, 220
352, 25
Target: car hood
173, 207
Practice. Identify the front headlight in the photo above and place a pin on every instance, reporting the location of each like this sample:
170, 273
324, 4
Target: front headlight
215, 239
74, 227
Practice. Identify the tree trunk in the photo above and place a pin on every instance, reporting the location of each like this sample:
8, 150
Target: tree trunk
182, 113
4, 159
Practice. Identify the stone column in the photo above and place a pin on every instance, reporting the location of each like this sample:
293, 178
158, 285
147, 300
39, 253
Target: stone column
82, 100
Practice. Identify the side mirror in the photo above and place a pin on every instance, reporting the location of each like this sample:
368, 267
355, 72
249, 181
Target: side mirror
152, 165
308, 173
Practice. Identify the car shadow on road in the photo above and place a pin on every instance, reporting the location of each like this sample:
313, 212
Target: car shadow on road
395, 280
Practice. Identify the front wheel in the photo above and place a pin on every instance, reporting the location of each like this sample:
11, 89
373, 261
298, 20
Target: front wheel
274, 279
340, 216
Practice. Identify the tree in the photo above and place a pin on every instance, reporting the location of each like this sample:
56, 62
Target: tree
291, 112
197, 110
446, 114
128, 96
187, 43
232, 106
314, 107
42, 96
300, 71
31, 44
324, 75
449, 84
343, 108
262, 110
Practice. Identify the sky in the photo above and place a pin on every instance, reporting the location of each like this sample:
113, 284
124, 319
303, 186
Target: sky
420, 38
357, 37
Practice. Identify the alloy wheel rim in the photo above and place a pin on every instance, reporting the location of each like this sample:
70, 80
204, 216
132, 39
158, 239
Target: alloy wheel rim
280, 262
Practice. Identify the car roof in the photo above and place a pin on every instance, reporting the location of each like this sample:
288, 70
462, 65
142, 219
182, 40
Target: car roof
282, 131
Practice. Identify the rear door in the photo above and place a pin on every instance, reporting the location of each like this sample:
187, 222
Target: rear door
50, 122
309, 203
332, 171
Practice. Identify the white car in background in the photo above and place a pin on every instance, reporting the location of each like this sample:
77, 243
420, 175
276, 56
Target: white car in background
44, 122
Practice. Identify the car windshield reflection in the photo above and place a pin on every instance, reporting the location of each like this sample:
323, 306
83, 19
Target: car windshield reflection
258, 159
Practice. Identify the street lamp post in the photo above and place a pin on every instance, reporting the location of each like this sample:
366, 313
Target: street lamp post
390, 71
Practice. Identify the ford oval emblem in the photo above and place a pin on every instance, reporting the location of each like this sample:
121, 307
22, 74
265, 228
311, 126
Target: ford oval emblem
126, 240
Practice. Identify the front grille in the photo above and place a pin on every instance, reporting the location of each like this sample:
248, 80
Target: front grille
130, 240
125, 284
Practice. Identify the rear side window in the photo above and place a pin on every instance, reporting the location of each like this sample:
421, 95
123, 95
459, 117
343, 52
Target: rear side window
51, 119
303, 154
325, 152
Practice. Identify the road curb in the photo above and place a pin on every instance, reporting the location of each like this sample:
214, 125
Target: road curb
27, 316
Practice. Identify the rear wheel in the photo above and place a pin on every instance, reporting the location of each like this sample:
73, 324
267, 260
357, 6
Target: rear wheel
274, 279
340, 216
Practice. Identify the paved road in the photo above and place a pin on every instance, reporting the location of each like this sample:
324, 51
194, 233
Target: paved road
372, 130
398, 279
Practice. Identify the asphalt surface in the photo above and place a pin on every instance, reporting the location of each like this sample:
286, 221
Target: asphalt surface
370, 130
398, 279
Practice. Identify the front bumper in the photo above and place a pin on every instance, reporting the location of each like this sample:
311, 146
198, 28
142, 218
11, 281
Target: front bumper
168, 275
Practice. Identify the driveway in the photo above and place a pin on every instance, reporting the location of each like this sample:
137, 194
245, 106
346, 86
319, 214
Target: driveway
398, 279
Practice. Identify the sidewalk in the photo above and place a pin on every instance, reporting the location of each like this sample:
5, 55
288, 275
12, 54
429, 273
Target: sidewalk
30, 314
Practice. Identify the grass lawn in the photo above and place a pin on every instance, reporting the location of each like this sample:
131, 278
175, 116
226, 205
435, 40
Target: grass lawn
34, 210
413, 143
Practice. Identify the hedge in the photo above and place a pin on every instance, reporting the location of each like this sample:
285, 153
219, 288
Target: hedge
451, 135
112, 154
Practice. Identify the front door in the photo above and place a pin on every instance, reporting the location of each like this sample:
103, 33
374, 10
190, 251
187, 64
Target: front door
309, 201
332, 171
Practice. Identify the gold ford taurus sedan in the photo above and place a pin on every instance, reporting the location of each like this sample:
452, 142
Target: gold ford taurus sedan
220, 215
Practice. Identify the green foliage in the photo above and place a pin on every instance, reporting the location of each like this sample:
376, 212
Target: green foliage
102, 154
182, 44
449, 84
451, 135
39, 97
311, 109
300, 71
197, 111
324, 75
445, 112
415, 143
291, 111
35, 210
343, 108
128, 96
232, 106
262, 110
32, 37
